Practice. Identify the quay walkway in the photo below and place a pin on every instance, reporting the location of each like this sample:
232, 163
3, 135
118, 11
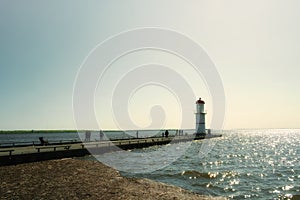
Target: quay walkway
16, 155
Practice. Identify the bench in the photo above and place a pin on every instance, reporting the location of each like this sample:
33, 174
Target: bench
9, 150
67, 147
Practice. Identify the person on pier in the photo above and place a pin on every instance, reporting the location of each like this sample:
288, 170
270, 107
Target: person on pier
167, 133
43, 141
88, 136
101, 134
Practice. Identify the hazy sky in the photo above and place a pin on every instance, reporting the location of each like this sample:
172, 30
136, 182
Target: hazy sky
254, 45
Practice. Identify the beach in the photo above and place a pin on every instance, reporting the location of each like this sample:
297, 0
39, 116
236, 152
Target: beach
81, 179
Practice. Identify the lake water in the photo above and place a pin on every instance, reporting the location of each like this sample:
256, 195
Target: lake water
254, 164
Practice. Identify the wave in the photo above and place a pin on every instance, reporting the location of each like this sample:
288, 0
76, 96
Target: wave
197, 174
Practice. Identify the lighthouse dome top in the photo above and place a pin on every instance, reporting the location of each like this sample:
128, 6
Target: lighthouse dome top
199, 101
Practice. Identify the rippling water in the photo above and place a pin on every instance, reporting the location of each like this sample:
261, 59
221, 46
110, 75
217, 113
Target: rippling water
254, 164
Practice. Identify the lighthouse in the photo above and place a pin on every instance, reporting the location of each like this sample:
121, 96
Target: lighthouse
200, 117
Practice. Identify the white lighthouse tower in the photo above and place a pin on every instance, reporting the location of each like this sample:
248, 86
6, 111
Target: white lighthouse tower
200, 117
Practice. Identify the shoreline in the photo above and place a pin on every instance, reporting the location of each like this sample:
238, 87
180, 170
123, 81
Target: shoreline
24, 131
82, 179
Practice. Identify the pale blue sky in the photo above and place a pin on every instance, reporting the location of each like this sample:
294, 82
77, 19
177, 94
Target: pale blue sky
254, 45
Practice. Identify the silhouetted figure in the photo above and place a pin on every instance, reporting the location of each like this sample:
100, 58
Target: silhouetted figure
101, 135
137, 134
43, 142
180, 132
88, 136
162, 134
167, 133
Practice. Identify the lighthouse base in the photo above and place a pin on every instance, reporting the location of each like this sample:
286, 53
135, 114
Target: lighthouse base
207, 134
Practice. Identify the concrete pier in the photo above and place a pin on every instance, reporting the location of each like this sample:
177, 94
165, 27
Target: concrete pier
33, 153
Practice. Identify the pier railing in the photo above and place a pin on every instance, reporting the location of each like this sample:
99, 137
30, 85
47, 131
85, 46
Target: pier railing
122, 139
36, 143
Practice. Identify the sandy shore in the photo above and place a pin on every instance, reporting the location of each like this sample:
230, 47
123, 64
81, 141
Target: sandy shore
81, 179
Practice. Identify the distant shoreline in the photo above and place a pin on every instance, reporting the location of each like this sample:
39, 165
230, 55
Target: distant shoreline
72, 131
37, 131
